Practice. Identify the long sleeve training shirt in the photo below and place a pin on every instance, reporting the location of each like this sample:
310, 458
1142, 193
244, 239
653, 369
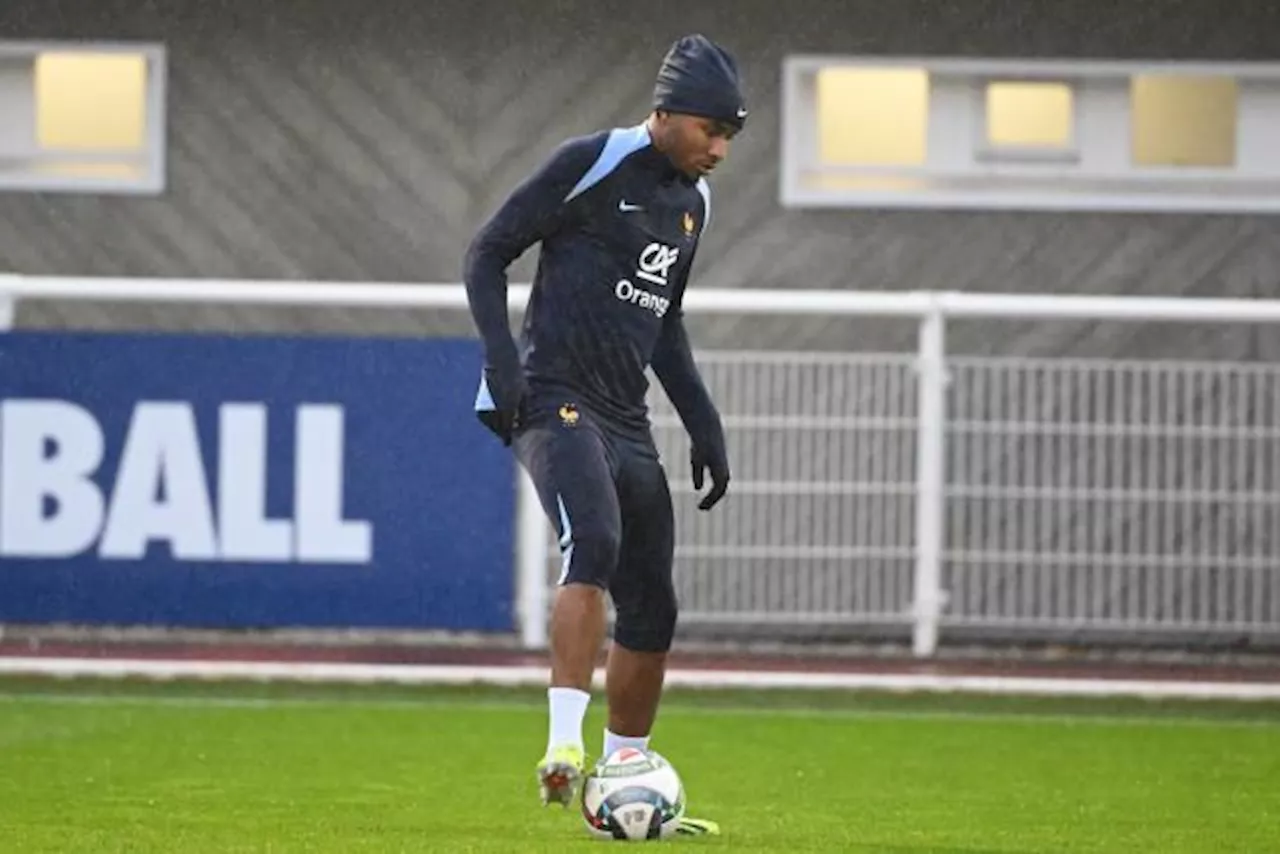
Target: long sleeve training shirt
619, 227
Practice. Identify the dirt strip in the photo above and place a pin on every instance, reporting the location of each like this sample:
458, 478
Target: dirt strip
471, 656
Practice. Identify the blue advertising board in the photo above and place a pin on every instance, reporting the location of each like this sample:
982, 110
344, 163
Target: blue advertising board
250, 482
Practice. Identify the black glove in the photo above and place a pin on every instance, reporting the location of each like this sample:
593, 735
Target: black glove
507, 393
710, 456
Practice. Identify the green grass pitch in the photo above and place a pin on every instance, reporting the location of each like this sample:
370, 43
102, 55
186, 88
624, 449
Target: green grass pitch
119, 767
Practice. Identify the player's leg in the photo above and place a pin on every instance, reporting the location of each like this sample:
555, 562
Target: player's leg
644, 599
569, 464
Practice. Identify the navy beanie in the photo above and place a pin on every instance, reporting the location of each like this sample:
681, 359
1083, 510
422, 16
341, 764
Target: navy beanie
700, 78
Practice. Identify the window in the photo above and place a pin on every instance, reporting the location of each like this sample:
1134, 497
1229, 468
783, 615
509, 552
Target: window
82, 117
91, 100
1181, 121
873, 116
1028, 134
1029, 116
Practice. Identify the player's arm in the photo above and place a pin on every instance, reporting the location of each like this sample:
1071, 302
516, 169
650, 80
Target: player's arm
533, 212
675, 368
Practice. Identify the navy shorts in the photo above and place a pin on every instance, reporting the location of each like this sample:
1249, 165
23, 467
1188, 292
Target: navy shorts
606, 492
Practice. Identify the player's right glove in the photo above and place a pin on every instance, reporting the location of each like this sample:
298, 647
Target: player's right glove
501, 413
712, 456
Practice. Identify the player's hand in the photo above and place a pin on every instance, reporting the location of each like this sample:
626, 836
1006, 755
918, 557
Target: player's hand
713, 459
507, 388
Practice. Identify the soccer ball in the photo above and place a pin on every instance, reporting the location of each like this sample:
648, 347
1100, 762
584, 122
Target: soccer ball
632, 795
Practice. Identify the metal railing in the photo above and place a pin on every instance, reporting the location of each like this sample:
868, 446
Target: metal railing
925, 491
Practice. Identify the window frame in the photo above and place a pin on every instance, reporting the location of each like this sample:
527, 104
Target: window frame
19, 166
1102, 176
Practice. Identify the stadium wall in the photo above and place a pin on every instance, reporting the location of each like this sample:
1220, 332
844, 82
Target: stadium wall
326, 140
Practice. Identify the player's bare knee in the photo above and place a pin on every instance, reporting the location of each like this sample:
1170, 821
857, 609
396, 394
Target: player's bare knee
588, 592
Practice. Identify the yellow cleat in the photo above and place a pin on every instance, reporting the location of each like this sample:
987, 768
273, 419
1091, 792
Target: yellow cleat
697, 827
559, 774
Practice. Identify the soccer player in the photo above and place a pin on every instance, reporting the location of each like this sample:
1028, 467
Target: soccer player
619, 215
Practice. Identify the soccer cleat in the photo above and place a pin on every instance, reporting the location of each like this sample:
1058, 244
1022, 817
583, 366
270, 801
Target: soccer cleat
559, 773
697, 827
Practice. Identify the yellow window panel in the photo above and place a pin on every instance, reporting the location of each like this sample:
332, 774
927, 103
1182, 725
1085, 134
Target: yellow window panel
91, 100
873, 116
1029, 114
1184, 121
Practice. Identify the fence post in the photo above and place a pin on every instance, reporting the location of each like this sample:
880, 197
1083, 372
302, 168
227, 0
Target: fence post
931, 368
531, 563
8, 302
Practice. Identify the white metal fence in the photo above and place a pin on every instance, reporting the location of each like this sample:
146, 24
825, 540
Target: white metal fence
1137, 497
818, 528
929, 493
1080, 497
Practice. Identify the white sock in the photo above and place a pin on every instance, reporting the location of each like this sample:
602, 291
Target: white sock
613, 741
568, 707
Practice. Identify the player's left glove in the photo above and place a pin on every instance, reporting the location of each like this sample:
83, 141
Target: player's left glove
712, 456
507, 392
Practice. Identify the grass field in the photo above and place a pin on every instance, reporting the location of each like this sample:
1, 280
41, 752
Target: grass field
112, 767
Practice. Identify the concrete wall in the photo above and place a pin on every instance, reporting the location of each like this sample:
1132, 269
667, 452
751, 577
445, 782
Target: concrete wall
331, 140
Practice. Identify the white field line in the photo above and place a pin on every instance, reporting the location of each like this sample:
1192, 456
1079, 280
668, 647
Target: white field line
414, 674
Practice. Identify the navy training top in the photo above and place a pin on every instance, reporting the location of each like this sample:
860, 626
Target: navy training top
619, 226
